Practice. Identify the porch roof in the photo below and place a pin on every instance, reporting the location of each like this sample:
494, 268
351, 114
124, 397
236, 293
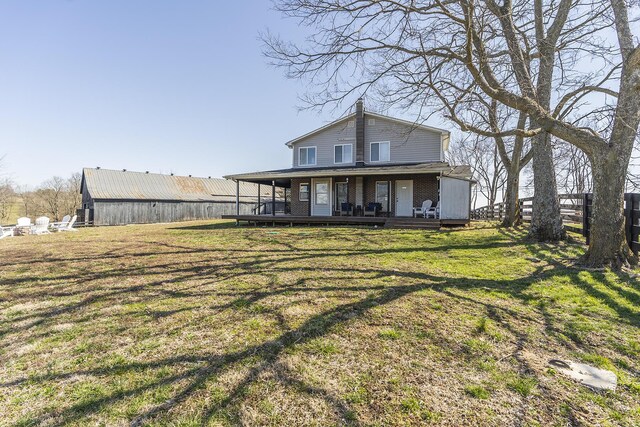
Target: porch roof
283, 176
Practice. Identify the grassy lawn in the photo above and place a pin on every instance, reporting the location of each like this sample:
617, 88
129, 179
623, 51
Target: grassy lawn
211, 324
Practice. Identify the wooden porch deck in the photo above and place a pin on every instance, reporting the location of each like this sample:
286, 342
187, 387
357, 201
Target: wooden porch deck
393, 222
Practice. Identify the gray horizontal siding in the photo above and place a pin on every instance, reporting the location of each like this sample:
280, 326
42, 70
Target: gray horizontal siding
325, 141
408, 145
121, 213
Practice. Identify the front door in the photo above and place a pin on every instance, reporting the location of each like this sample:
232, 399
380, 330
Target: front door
404, 197
321, 197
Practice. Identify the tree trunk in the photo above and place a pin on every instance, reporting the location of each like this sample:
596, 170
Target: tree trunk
511, 205
608, 243
546, 222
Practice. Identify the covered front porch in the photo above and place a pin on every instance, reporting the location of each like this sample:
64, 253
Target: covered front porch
355, 195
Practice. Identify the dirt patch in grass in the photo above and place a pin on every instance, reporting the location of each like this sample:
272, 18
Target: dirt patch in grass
212, 324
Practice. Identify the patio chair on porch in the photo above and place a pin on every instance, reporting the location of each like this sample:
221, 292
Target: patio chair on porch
433, 212
422, 210
346, 209
372, 209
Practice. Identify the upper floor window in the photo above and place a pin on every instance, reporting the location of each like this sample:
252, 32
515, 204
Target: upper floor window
342, 153
380, 152
307, 156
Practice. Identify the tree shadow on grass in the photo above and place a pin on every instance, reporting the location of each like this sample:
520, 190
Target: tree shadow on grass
266, 356
220, 225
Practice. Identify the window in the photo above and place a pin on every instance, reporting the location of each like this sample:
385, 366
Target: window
351, 123
304, 192
322, 193
341, 193
342, 153
307, 156
382, 193
380, 152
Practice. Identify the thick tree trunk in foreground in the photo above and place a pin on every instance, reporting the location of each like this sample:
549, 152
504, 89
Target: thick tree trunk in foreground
511, 205
546, 222
608, 243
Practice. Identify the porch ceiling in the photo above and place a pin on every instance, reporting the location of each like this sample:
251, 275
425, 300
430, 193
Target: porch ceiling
282, 175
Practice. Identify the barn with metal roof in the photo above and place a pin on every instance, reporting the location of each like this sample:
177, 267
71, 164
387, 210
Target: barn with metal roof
117, 197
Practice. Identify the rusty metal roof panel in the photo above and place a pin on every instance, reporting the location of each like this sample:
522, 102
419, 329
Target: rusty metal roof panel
126, 185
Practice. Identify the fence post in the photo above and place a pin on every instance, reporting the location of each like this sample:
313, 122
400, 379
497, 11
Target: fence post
586, 213
628, 218
633, 228
520, 206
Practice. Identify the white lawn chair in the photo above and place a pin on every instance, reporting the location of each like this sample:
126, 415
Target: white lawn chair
24, 222
62, 224
69, 226
23, 226
6, 232
433, 212
426, 205
41, 226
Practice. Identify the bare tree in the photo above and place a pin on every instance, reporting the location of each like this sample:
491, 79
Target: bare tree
51, 197
73, 197
526, 55
573, 168
482, 155
7, 199
7, 195
514, 151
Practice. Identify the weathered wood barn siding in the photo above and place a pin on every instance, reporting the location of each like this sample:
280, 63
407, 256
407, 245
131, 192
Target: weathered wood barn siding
144, 212
121, 197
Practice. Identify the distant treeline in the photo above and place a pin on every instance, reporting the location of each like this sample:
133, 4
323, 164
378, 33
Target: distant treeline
54, 198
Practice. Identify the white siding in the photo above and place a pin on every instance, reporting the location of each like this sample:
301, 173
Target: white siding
454, 198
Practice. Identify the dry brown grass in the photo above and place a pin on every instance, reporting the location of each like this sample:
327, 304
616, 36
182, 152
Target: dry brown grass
210, 324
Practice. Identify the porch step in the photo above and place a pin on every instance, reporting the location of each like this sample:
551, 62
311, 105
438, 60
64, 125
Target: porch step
413, 223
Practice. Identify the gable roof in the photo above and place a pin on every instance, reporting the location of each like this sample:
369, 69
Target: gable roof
107, 184
351, 116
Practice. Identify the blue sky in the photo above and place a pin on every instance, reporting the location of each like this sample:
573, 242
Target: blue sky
158, 85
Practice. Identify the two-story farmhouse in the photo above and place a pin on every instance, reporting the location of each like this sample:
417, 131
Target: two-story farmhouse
368, 162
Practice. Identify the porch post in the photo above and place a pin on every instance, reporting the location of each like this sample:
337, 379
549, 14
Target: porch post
237, 197
389, 198
273, 198
259, 201
284, 208
348, 213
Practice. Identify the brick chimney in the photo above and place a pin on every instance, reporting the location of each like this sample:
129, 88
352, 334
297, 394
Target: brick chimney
359, 132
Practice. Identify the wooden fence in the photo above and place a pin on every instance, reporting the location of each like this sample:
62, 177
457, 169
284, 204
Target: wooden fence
575, 210
571, 210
